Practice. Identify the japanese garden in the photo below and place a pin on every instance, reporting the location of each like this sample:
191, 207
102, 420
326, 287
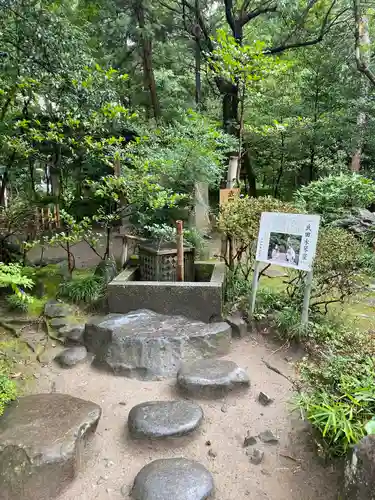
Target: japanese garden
187, 249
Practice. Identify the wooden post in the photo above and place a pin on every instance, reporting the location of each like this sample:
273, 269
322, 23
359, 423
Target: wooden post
180, 250
306, 298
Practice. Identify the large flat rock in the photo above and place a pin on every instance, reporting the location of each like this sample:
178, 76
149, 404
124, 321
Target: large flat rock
164, 419
148, 345
173, 479
42, 438
211, 377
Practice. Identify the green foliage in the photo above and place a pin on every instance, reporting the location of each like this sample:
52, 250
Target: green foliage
334, 196
161, 233
239, 221
240, 218
338, 271
245, 63
338, 394
83, 289
237, 290
11, 275
19, 303
337, 388
8, 392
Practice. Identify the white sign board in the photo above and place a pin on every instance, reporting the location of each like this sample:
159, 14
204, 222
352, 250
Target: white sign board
288, 240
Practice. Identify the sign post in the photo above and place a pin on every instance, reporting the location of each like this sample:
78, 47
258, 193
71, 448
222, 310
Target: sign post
287, 240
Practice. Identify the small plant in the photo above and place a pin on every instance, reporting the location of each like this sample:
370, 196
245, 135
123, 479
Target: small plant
83, 290
19, 303
8, 392
164, 233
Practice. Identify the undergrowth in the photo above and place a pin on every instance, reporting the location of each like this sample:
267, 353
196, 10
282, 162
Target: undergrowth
83, 289
337, 375
8, 388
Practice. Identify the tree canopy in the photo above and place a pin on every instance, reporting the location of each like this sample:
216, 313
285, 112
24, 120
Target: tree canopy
170, 88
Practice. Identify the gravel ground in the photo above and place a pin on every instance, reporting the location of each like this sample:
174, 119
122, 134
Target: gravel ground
290, 469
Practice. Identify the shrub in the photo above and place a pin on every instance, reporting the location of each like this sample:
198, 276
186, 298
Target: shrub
239, 221
8, 392
19, 302
338, 269
335, 195
84, 289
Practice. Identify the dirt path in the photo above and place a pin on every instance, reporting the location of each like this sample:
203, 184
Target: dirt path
115, 460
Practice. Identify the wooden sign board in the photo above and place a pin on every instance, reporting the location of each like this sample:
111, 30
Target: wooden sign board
225, 194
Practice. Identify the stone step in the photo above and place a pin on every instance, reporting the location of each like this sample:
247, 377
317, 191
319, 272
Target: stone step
211, 378
173, 479
42, 440
164, 419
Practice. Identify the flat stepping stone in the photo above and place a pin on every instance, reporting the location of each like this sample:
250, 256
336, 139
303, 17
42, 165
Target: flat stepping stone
211, 377
173, 479
72, 356
164, 419
147, 345
42, 443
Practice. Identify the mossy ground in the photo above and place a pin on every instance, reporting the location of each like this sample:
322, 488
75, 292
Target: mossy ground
18, 360
358, 309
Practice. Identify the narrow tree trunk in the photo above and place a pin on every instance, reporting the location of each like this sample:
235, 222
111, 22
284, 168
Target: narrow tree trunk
250, 174
365, 56
198, 60
148, 71
281, 168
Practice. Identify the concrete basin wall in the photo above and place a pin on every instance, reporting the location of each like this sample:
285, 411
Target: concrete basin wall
200, 300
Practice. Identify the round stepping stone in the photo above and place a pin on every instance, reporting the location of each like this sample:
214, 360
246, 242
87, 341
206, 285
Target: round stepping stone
72, 356
211, 377
163, 419
173, 479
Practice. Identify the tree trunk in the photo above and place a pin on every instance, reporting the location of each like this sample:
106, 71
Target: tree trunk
198, 60
230, 106
281, 168
312, 163
250, 173
356, 158
148, 71
364, 47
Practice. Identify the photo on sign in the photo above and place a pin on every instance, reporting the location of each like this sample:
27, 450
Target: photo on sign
284, 248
